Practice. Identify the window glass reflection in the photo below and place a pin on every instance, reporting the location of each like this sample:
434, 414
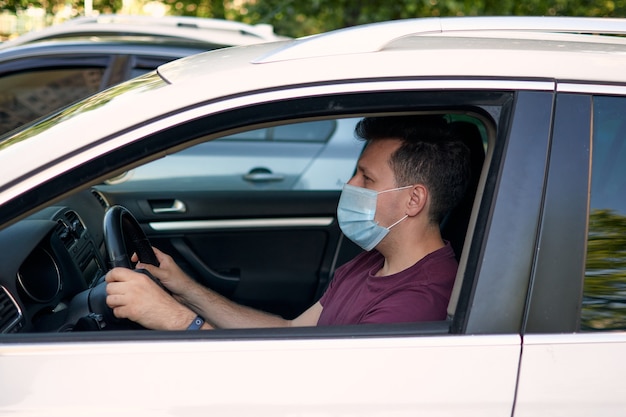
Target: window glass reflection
604, 298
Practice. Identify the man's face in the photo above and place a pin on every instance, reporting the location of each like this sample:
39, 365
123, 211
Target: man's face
373, 170
374, 173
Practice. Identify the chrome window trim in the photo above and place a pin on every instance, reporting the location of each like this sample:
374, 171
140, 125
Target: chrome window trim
255, 98
606, 89
240, 224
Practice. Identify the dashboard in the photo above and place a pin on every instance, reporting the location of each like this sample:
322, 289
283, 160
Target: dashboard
47, 260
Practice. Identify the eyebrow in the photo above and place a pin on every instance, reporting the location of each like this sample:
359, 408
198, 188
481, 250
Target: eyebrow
364, 170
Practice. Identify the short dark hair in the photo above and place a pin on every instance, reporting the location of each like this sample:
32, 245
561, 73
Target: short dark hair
430, 155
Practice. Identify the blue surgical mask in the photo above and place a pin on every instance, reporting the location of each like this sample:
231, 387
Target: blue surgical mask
356, 212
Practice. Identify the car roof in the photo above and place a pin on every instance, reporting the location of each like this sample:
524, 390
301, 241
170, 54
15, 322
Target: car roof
215, 31
544, 47
378, 36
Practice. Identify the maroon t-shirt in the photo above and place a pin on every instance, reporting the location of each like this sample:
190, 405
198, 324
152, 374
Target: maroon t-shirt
419, 293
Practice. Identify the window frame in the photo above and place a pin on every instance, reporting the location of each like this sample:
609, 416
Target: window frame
473, 316
557, 279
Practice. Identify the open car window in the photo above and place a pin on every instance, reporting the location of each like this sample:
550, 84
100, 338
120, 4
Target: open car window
272, 249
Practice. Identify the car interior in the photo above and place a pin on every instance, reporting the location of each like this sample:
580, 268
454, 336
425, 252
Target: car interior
271, 250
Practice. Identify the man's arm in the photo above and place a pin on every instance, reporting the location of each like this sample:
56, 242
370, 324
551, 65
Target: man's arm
137, 297
226, 314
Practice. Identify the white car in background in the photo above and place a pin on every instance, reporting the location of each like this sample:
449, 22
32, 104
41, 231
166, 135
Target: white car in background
317, 155
165, 28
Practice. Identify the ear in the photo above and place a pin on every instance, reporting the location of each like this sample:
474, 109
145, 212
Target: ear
418, 201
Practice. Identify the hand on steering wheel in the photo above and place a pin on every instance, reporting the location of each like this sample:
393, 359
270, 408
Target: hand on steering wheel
123, 237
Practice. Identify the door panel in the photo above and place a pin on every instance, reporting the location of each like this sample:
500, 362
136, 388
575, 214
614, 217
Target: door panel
401, 377
269, 266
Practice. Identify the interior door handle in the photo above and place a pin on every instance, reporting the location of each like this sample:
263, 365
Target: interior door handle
168, 206
262, 175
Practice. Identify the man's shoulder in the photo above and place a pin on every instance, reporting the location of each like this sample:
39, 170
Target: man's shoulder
444, 255
438, 268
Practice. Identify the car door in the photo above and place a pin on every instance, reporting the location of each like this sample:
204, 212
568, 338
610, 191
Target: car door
426, 361
466, 364
575, 327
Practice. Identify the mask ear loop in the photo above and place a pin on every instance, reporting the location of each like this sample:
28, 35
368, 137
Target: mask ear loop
396, 189
405, 216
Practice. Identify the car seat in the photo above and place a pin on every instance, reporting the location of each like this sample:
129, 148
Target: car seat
454, 225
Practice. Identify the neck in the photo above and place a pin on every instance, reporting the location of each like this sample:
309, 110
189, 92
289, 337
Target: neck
400, 256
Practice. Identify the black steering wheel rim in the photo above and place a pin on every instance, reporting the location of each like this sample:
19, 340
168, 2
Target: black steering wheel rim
124, 236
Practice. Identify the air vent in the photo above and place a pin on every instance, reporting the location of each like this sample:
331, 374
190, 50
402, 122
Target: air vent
65, 234
103, 202
75, 224
10, 314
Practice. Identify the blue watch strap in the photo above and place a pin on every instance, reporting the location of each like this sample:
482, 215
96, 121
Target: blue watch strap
196, 324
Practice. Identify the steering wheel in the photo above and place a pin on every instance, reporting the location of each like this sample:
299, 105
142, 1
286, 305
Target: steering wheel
123, 236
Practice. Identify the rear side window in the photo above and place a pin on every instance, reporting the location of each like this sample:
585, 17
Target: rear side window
604, 298
27, 96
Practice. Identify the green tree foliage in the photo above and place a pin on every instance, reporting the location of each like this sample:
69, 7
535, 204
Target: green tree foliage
299, 18
304, 17
200, 8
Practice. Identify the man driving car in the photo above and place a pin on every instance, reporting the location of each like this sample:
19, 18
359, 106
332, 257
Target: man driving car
411, 173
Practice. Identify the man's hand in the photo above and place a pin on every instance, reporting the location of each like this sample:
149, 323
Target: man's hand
135, 296
168, 272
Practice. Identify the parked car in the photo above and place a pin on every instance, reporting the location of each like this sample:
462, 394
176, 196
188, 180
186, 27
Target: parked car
535, 323
315, 155
42, 71
218, 32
